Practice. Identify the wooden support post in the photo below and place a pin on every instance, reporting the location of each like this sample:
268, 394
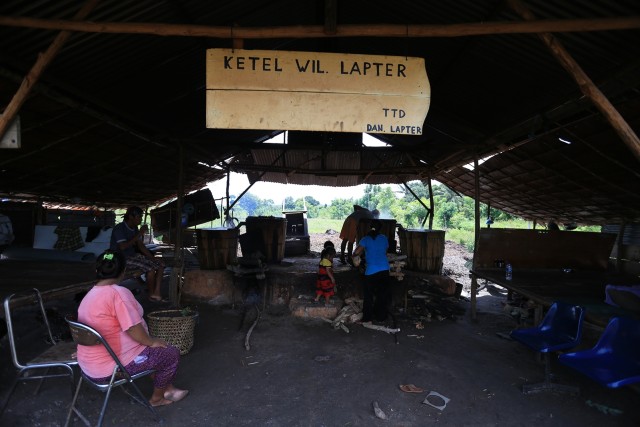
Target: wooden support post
474, 279
330, 16
177, 270
31, 79
474, 297
477, 209
432, 212
236, 43
620, 246
429, 211
537, 314
588, 88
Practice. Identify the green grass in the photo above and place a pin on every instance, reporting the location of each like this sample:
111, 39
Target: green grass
463, 237
321, 225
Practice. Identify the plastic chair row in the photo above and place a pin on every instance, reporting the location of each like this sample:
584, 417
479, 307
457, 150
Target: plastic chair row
613, 362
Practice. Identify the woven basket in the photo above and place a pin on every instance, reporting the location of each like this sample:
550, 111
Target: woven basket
174, 327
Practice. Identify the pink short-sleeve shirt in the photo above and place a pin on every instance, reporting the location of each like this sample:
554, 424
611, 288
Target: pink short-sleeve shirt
111, 310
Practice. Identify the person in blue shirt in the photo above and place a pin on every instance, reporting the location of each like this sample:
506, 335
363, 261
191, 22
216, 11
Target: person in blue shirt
376, 286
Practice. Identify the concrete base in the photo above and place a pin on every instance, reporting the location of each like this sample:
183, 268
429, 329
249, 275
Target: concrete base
285, 282
305, 309
214, 287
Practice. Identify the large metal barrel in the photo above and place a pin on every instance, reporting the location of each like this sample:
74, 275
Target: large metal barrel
424, 249
217, 247
266, 234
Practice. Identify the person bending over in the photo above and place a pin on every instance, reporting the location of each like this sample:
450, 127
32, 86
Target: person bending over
354, 227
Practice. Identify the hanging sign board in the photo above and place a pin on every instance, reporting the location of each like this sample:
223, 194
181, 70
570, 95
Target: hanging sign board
330, 92
11, 139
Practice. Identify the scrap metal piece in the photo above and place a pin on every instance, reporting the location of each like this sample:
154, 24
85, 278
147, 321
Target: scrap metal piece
379, 412
434, 393
381, 328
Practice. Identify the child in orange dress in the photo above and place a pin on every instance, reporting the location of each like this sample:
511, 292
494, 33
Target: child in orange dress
326, 282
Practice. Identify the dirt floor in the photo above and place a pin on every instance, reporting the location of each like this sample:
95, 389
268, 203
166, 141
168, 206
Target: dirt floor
305, 373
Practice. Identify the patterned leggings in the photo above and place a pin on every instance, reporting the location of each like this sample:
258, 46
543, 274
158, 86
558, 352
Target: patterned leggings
163, 360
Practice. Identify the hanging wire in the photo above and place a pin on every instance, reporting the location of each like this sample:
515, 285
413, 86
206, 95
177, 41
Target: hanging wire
406, 44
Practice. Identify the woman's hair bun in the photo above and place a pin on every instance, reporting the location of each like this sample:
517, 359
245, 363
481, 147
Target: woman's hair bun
110, 265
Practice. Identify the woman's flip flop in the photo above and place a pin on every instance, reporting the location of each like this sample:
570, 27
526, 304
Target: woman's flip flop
410, 388
161, 402
176, 395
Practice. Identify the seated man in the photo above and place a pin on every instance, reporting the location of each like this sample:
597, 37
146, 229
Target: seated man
127, 239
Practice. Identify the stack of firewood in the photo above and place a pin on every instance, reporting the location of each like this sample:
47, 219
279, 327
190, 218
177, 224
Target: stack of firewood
350, 313
433, 299
396, 262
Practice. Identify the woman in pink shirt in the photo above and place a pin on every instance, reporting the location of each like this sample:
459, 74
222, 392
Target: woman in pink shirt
114, 312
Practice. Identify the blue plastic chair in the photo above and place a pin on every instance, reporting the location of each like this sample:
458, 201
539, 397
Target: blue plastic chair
615, 359
561, 329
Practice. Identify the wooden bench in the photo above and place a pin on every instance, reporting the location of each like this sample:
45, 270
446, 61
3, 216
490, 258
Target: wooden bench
549, 253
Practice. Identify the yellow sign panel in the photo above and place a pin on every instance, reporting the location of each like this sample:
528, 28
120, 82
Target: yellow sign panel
331, 92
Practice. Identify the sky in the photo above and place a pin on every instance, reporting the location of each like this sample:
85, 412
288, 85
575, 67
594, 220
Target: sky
278, 192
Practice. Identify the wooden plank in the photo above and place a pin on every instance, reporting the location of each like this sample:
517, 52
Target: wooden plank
308, 111
544, 249
316, 72
629, 252
628, 267
11, 138
316, 91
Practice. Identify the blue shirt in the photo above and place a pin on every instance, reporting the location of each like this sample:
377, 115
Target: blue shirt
375, 251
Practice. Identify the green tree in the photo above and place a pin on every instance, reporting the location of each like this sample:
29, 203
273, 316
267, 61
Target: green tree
311, 201
313, 211
249, 203
289, 204
445, 212
268, 208
409, 214
384, 200
340, 208
368, 199
418, 188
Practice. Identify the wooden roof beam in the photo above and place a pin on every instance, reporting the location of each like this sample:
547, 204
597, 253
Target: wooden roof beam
588, 88
38, 68
319, 31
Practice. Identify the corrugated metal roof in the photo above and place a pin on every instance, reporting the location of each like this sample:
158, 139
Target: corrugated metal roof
105, 122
